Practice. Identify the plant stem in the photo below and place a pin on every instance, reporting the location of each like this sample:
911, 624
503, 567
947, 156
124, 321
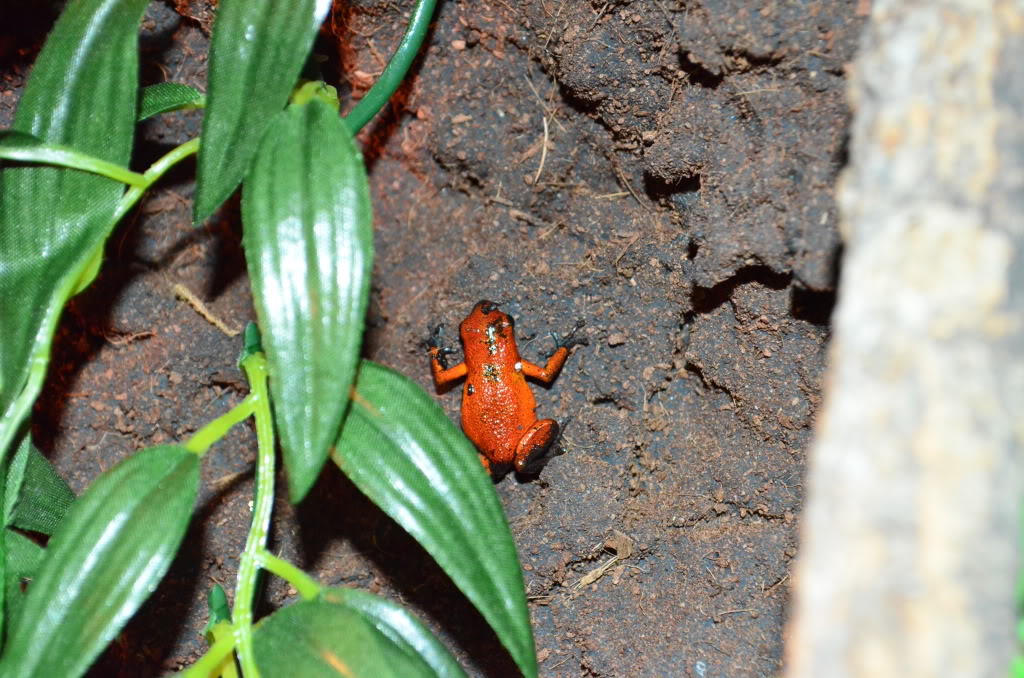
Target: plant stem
202, 439
212, 659
128, 200
61, 156
255, 367
307, 587
155, 171
39, 360
396, 69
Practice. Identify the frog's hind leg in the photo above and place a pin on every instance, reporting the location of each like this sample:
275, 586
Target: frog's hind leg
531, 452
495, 470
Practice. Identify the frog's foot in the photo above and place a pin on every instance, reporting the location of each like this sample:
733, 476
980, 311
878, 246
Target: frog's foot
570, 339
437, 345
531, 452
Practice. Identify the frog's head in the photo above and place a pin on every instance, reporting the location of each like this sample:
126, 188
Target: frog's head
485, 319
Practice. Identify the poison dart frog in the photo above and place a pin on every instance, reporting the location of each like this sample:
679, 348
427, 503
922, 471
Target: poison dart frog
499, 413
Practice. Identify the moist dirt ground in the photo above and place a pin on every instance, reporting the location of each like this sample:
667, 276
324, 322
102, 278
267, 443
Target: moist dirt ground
662, 169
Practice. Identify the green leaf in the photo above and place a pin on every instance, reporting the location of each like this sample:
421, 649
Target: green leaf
401, 628
252, 342
36, 498
23, 555
400, 449
23, 559
308, 242
168, 96
256, 55
15, 475
106, 558
82, 94
218, 611
316, 638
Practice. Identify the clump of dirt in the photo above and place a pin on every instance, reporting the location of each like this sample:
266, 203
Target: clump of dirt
663, 170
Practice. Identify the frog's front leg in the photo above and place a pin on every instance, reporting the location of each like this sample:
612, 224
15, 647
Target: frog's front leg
563, 345
531, 451
444, 376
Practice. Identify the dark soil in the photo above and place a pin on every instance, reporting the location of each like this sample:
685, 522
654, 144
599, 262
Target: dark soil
662, 169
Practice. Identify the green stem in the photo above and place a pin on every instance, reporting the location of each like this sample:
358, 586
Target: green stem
39, 360
61, 156
202, 439
155, 171
255, 367
307, 587
396, 69
128, 200
212, 659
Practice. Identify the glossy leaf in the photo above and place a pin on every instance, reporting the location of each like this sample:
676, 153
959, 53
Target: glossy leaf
165, 97
218, 626
309, 245
6, 605
217, 606
316, 638
14, 472
400, 449
22, 563
256, 54
252, 342
23, 555
36, 498
401, 628
82, 94
106, 558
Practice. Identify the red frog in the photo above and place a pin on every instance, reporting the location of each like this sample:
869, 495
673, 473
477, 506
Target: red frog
499, 413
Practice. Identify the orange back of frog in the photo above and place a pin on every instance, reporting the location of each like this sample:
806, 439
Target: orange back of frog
498, 407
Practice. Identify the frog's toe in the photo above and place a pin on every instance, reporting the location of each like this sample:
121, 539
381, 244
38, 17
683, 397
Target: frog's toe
571, 339
531, 452
435, 336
